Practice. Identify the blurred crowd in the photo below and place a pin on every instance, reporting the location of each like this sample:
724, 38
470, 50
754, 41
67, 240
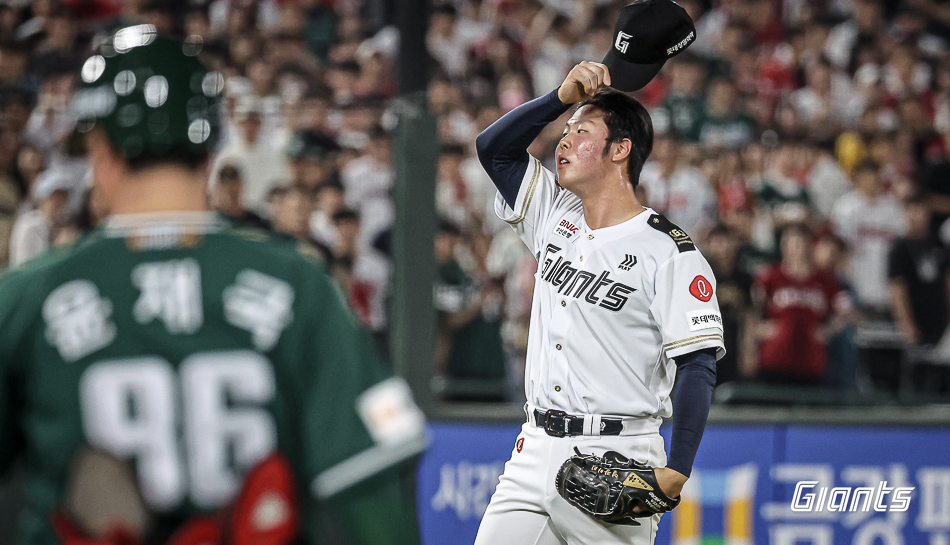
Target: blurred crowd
804, 144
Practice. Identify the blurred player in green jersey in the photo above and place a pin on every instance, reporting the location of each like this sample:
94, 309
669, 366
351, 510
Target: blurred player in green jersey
174, 379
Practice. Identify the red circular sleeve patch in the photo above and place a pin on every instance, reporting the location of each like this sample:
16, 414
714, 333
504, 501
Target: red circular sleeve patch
701, 288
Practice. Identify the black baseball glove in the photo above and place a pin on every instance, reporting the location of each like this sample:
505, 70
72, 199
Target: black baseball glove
608, 488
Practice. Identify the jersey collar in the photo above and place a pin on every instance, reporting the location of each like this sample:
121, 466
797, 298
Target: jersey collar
197, 222
626, 228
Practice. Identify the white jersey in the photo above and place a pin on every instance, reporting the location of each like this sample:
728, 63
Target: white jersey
612, 307
869, 226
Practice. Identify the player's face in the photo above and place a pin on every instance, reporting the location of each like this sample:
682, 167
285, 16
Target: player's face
580, 153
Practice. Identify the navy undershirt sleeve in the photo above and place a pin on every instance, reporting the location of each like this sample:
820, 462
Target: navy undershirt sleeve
502, 147
695, 379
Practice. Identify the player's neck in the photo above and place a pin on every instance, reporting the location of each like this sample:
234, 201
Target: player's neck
607, 208
161, 189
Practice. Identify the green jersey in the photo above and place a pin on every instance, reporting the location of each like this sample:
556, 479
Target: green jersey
194, 348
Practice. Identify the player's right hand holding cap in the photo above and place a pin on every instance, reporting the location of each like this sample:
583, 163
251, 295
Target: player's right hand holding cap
647, 34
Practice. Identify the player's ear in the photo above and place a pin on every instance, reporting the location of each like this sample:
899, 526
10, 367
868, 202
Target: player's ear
621, 150
108, 165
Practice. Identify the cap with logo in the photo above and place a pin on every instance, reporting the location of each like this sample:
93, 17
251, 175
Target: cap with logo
647, 34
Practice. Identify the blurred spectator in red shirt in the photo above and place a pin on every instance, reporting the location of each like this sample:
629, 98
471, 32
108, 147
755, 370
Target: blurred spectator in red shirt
799, 307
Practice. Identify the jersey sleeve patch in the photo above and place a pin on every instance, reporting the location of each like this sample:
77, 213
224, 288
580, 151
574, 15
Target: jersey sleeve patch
679, 236
389, 413
704, 319
701, 288
397, 426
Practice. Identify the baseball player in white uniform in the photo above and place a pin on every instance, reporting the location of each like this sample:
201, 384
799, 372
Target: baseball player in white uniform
624, 305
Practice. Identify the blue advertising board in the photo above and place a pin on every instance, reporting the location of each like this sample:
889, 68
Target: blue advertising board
743, 485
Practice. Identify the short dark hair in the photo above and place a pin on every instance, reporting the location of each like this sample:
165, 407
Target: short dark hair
346, 214
866, 165
918, 198
720, 230
796, 228
625, 117
229, 173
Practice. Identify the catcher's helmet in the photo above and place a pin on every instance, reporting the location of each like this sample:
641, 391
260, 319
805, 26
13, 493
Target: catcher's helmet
151, 95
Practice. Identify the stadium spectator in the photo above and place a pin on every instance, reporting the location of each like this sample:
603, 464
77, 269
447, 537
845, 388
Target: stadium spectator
869, 220
367, 182
470, 345
677, 190
734, 292
919, 274
782, 194
363, 271
826, 180
451, 190
262, 165
34, 228
827, 103
450, 37
289, 210
725, 124
229, 197
328, 200
684, 108
935, 179
831, 258
800, 309
918, 268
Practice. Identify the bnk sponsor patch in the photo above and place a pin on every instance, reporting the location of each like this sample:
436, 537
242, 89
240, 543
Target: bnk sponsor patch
703, 319
566, 229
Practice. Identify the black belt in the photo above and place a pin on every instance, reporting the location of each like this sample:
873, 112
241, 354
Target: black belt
560, 424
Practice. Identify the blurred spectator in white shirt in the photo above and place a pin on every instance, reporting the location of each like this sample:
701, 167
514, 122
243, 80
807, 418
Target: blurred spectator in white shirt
869, 220
677, 190
367, 182
262, 165
33, 229
826, 180
450, 37
328, 200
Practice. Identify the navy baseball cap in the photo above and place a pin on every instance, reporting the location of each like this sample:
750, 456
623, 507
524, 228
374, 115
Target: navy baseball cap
647, 34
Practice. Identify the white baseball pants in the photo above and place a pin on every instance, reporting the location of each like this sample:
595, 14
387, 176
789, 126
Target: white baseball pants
527, 510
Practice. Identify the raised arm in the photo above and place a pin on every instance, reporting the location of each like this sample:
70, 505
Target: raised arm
502, 147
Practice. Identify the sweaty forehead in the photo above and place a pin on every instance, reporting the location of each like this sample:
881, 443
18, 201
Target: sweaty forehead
587, 114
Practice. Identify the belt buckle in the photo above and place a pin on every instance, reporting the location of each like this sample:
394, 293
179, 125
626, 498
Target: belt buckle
547, 423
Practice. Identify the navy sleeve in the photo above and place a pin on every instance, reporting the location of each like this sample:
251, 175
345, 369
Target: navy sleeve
695, 379
502, 147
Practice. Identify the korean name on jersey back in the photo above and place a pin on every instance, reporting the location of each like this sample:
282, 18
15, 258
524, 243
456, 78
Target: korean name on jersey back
586, 285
